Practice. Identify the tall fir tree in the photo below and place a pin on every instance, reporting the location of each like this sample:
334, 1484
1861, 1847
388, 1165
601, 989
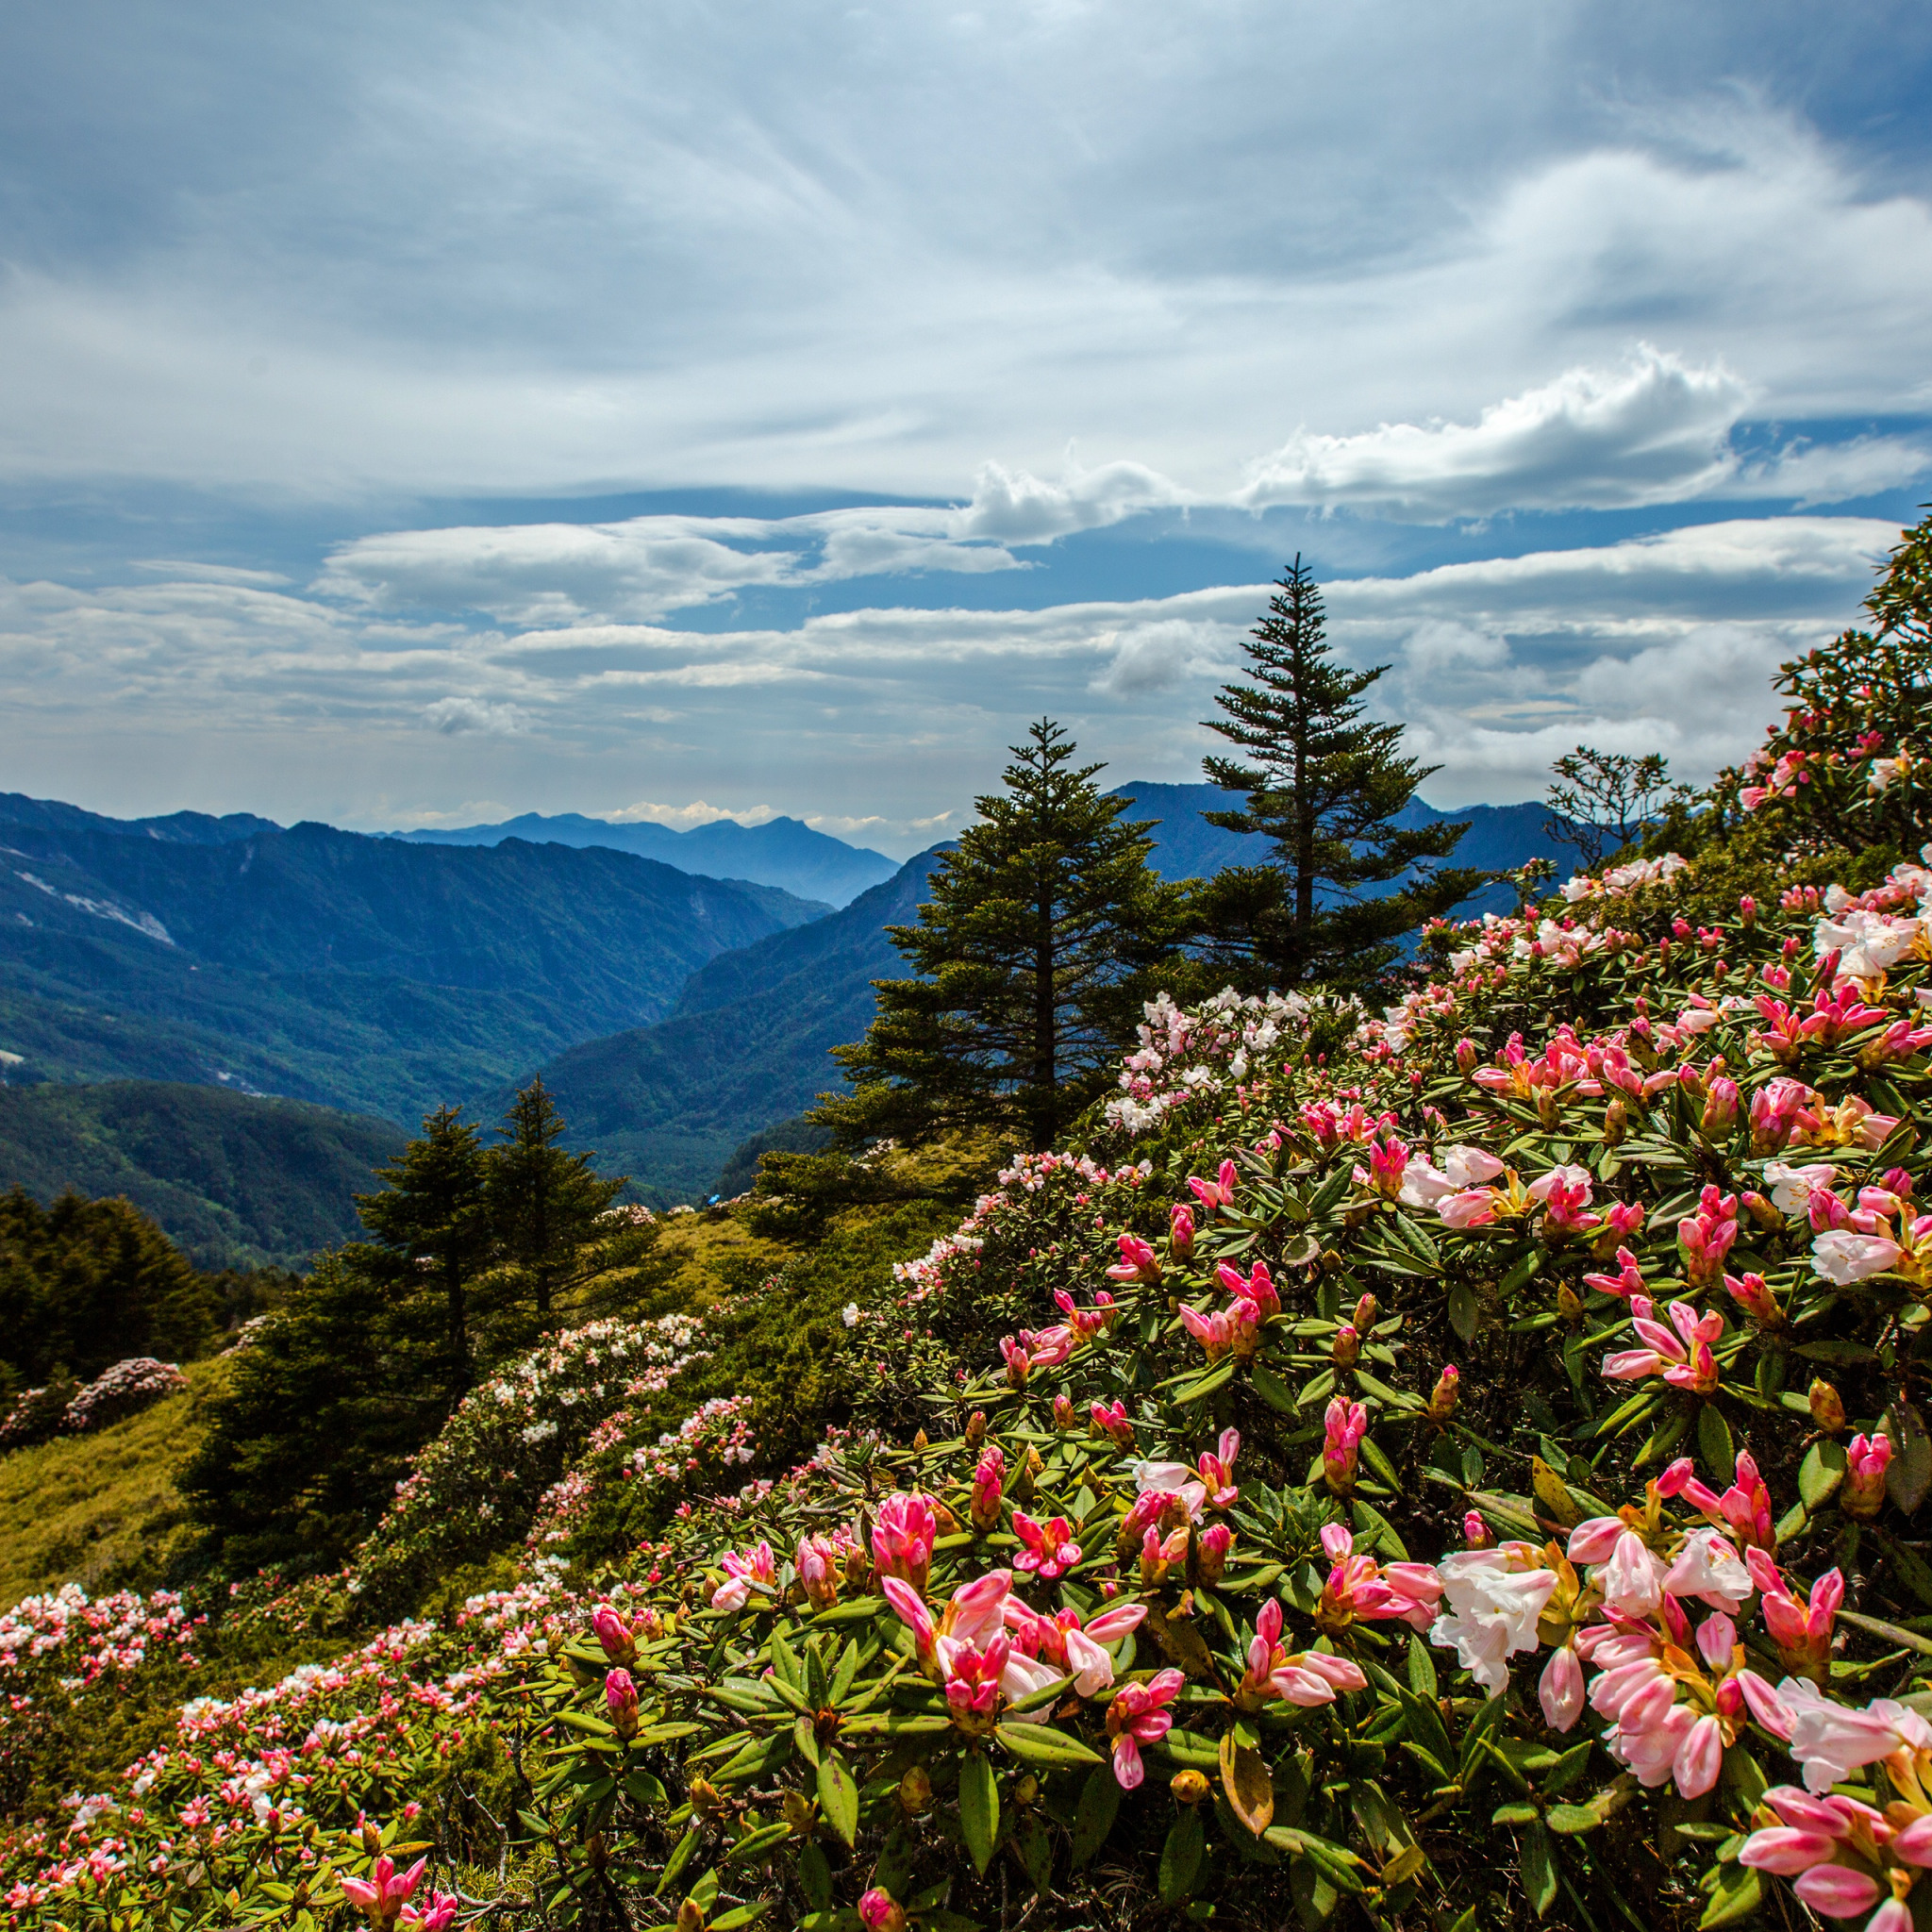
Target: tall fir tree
431, 1224
1326, 786
1031, 956
545, 1208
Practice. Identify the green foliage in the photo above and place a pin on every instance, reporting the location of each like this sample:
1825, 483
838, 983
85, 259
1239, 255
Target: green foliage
1326, 787
85, 1284
1851, 763
236, 1180
1031, 954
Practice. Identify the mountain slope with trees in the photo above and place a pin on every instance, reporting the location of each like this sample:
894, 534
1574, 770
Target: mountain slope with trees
748, 1045
233, 1179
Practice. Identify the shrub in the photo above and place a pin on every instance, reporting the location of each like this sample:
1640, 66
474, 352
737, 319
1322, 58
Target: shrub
126, 1390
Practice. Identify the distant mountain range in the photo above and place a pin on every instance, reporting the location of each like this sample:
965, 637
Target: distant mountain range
235, 1180
367, 973
781, 852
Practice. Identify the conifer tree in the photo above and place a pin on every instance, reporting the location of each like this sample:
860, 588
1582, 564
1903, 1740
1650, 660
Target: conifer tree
1326, 786
1030, 956
431, 1224
544, 1205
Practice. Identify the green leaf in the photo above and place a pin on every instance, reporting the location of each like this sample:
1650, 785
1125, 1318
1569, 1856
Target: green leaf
1570, 1819
1271, 1389
815, 1876
1538, 1868
1421, 1668
1100, 1804
1462, 1311
1714, 1443
1042, 1744
1909, 1567
1523, 1273
1820, 1473
1909, 1475
1734, 1904
979, 1809
805, 1737
675, 1866
1036, 1853
1180, 1857
837, 1796
1217, 1378
754, 1845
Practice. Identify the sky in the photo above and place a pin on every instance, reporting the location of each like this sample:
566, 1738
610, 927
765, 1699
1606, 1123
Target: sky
424, 415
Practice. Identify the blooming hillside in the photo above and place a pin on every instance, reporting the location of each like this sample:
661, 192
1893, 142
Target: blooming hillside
1461, 1468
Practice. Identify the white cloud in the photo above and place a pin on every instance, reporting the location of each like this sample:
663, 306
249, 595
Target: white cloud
880, 723
453, 715
1654, 431
681, 818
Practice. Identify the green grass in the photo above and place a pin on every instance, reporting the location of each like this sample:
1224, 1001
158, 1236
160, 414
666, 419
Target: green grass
101, 1509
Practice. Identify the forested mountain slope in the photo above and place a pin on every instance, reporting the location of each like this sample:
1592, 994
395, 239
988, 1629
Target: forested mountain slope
366, 974
747, 1045
235, 1180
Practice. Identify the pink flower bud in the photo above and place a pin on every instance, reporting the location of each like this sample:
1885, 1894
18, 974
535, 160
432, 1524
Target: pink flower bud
1443, 1398
621, 1700
879, 1913
614, 1634
1465, 1056
1345, 1350
1720, 1107
1866, 1460
1475, 1532
1181, 1232
1062, 1412
1210, 1552
1827, 1409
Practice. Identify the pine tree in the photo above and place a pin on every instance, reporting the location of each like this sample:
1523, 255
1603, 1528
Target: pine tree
545, 1204
431, 1224
1326, 787
1030, 956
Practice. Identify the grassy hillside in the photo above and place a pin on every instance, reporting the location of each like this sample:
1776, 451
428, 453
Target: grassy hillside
237, 1181
100, 1511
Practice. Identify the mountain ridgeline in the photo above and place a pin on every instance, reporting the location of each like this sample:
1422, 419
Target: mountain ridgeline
780, 852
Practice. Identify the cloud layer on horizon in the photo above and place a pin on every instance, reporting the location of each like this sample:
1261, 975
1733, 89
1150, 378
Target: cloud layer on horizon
889, 716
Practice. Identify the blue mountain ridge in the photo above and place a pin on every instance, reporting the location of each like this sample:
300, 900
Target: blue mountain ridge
780, 852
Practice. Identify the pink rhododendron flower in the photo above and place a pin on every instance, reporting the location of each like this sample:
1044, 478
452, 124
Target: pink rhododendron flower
1306, 1678
1684, 1358
1867, 1457
902, 1538
1843, 1256
1559, 1689
1111, 1419
1344, 1424
1565, 1193
1218, 1194
621, 1702
438, 1915
614, 1634
1048, 1548
879, 1913
1359, 1588
755, 1566
1217, 1470
1831, 1741
1076, 1648
1257, 1287
1139, 1715
1802, 1631
380, 1897
1181, 1232
1137, 1261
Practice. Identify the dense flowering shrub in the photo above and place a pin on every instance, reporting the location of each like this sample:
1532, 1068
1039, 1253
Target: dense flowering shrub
495, 1465
125, 1389
67, 1408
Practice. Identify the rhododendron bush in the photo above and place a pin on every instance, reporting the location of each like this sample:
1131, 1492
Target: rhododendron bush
1460, 1467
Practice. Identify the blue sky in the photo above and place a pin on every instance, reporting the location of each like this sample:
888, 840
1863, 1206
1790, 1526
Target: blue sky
429, 414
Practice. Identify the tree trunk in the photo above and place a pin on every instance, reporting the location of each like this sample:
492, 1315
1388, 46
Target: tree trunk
1044, 1045
458, 1332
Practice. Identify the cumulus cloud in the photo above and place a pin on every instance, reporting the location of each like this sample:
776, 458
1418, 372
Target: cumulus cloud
1654, 431
681, 818
453, 715
879, 723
